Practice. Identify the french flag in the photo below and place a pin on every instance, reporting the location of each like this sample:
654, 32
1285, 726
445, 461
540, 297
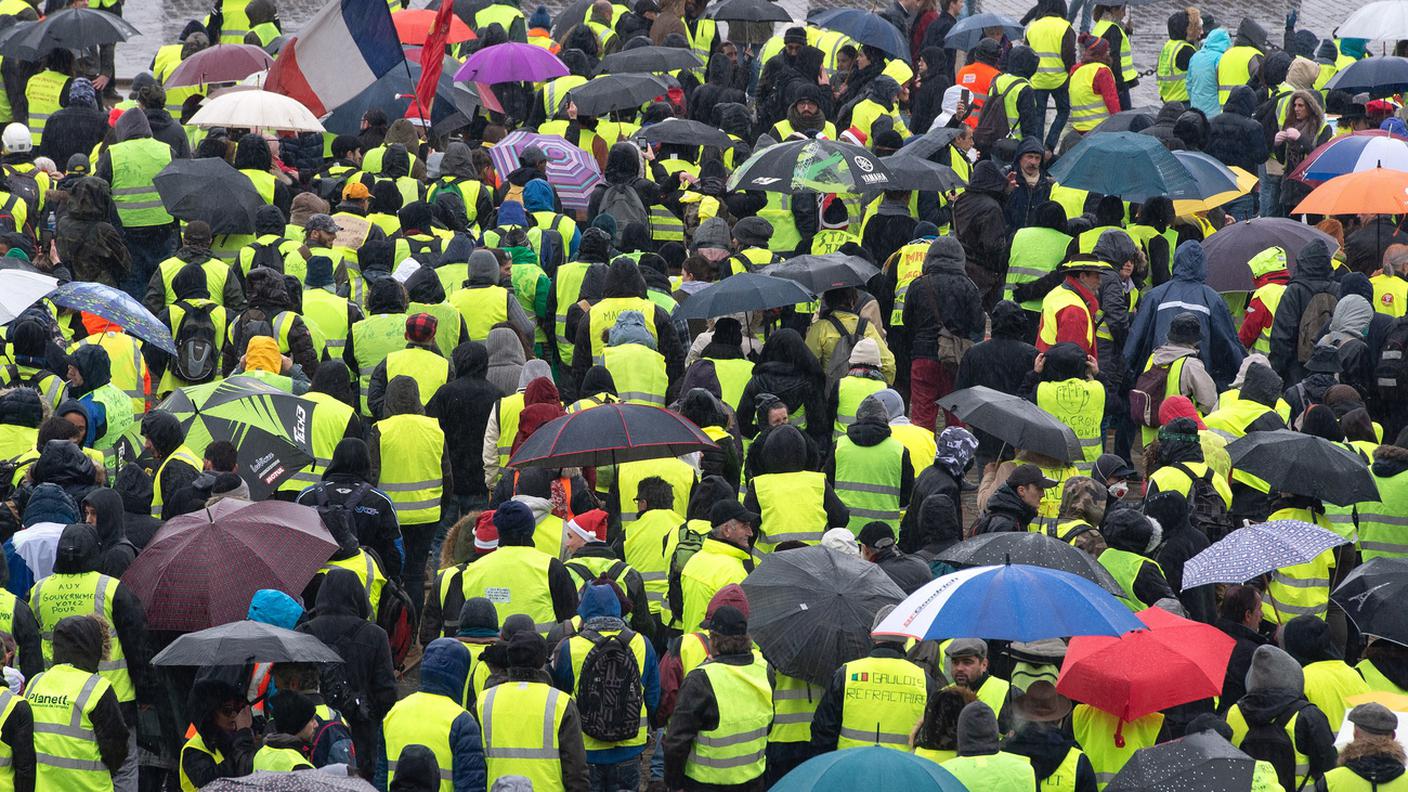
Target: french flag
344, 48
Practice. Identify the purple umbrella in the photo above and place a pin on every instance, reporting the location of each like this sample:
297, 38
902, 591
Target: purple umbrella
571, 171
511, 62
220, 63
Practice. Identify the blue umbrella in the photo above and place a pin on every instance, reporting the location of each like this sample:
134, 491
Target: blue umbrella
1146, 169
868, 768
1383, 76
968, 31
117, 307
865, 28
1250, 552
1011, 602
1210, 175
394, 93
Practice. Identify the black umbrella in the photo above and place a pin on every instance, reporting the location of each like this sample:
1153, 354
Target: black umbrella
750, 11
685, 132
245, 642
1202, 761
608, 435
650, 59
740, 293
913, 172
209, 189
71, 28
865, 27
1126, 121
1233, 246
824, 166
568, 18
811, 609
394, 93
1013, 420
929, 143
607, 92
1382, 76
1373, 596
1036, 549
823, 273
1302, 464
967, 32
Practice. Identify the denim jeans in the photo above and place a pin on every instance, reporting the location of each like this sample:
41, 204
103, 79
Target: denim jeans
1243, 208
1085, 9
620, 777
147, 247
657, 757
417, 538
1270, 195
1062, 95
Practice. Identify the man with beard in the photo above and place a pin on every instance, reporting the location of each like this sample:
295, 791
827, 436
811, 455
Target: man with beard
797, 64
1031, 187
804, 116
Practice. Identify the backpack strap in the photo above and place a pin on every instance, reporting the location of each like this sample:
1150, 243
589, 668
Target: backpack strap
1207, 477
582, 571
355, 499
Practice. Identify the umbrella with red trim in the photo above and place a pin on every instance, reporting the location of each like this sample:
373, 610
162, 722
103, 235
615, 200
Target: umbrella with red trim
609, 435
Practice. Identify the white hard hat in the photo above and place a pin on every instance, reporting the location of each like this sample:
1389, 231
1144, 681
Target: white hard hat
16, 138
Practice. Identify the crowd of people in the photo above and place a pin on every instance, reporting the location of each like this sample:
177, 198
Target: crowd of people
587, 628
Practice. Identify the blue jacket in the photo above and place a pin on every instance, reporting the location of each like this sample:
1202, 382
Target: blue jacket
443, 672
1202, 72
1219, 349
562, 679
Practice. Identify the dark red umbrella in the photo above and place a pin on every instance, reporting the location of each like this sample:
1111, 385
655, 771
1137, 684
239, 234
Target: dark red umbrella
222, 63
201, 569
1173, 662
609, 435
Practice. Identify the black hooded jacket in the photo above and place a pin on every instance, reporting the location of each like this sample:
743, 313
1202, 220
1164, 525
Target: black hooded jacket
1234, 135
1313, 275
942, 298
1005, 512
339, 619
1164, 120
375, 515
115, 551
135, 488
623, 279
86, 238
63, 463
623, 168
236, 747
789, 371
1047, 747
268, 297
78, 641
463, 406
979, 223
784, 452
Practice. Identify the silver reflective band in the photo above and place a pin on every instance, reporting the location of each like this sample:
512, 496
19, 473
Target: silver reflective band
730, 739
799, 536
66, 763
1170, 78
429, 503
878, 738
1303, 583
792, 718
876, 514
647, 577
729, 763
549, 711
1383, 519
878, 489
788, 694
411, 486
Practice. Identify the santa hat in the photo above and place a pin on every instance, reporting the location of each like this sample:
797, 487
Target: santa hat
589, 525
486, 536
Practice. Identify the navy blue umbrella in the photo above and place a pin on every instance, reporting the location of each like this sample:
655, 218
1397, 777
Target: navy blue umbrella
117, 307
866, 28
1146, 169
1384, 76
968, 31
394, 93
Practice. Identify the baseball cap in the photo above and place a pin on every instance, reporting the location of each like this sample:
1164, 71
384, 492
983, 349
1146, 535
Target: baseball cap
728, 620
1029, 474
730, 509
322, 222
355, 191
876, 535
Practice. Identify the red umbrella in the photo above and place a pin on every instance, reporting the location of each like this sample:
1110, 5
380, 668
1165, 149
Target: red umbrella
201, 569
414, 24
1173, 662
221, 63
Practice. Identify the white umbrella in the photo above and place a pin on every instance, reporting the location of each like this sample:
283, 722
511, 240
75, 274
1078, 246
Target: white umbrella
256, 109
20, 289
1386, 19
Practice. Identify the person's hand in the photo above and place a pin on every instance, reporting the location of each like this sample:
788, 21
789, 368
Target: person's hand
1040, 362
285, 364
649, 153
1280, 137
100, 83
1092, 365
960, 110
1292, 133
245, 719
688, 178
1011, 180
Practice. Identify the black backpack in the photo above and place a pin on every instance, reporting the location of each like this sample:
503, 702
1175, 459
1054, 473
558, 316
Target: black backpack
609, 693
588, 577
266, 255
196, 352
340, 518
993, 123
332, 744
339, 693
253, 322
1391, 372
1319, 311
24, 186
1270, 743
840, 361
1206, 510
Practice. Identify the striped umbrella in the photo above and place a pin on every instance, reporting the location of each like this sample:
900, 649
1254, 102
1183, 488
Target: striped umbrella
571, 171
1361, 151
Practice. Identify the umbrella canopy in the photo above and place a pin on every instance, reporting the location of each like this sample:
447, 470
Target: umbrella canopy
200, 570
686, 132
260, 420
819, 274
606, 92
750, 11
872, 767
1126, 121
270, 781
245, 642
1246, 182
256, 109
1360, 151
1251, 551
608, 435
568, 18
1386, 19
1173, 662
968, 31
1375, 191
1202, 761
71, 28
1147, 169
413, 25
1303, 464
1011, 602
824, 166
1382, 76
1210, 177
650, 59
929, 143
865, 27
511, 61
1373, 596
1036, 549
740, 293
394, 92
1013, 420
116, 306
209, 189
811, 610
219, 64
571, 171
1230, 249
20, 289
912, 172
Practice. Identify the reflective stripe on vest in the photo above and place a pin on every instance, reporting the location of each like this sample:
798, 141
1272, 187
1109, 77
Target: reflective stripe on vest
520, 722
1045, 36
883, 698
65, 745
733, 752
1173, 82
639, 373
422, 719
1087, 105
43, 91
909, 265
134, 164
792, 506
411, 450
1127, 70
868, 481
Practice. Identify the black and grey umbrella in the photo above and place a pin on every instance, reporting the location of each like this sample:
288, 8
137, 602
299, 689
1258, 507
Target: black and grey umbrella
1127, 121
606, 92
71, 28
740, 293
968, 31
1036, 549
929, 143
209, 189
912, 172
750, 11
245, 642
1302, 464
685, 132
1013, 420
823, 166
822, 273
650, 59
1202, 761
1229, 250
609, 435
271, 781
1373, 596
811, 609
568, 18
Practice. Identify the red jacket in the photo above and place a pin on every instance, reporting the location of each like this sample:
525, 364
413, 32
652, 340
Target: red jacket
1104, 84
1258, 316
1072, 323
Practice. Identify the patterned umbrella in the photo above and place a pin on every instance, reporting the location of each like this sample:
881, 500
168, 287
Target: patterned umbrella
221, 63
269, 781
1250, 552
117, 307
571, 171
1360, 151
823, 166
201, 569
511, 62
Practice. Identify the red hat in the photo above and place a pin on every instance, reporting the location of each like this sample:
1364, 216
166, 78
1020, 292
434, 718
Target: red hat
486, 535
732, 596
589, 525
1179, 407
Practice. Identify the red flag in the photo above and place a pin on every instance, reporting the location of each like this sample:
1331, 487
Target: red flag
432, 59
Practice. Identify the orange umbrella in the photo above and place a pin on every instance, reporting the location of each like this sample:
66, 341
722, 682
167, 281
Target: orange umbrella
1377, 191
413, 25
